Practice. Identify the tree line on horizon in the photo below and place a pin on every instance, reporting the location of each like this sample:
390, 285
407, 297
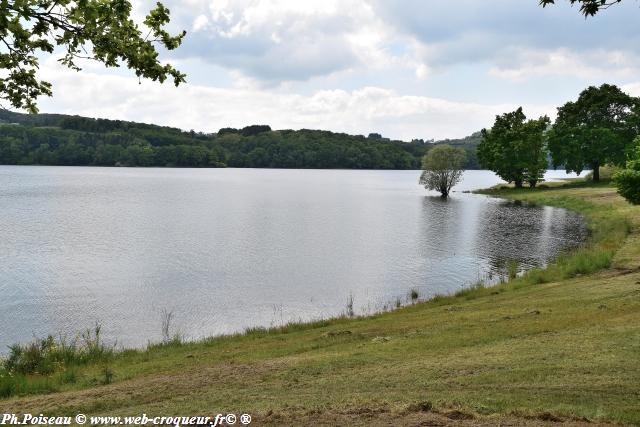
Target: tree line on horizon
602, 127
105, 32
53, 139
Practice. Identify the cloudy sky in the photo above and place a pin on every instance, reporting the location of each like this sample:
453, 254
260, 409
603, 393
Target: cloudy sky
404, 68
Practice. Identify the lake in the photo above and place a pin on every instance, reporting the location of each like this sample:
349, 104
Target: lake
227, 249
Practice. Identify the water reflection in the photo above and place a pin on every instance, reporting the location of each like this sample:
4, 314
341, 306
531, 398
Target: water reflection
528, 234
228, 249
472, 239
447, 230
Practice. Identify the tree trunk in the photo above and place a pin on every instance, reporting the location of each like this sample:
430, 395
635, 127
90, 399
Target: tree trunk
596, 172
533, 184
444, 190
518, 183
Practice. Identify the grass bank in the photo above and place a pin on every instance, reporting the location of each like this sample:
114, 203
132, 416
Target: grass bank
561, 343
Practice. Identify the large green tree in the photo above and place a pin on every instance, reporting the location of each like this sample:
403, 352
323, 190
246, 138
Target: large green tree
514, 148
442, 168
595, 130
587, 7
101, 30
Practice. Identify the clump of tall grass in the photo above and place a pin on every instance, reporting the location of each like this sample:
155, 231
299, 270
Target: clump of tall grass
107, 375
29, 367
414, 295
285, 328
17, 384
8, 384
170, 338
470, 291
47, 355
512, 269
581, 262
350, 312
166, 318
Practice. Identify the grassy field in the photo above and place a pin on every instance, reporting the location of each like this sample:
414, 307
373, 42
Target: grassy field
561, 344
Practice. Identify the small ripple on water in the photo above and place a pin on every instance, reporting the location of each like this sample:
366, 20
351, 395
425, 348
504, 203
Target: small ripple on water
223, 247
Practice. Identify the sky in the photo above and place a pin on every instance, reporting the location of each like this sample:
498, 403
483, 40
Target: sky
429, 69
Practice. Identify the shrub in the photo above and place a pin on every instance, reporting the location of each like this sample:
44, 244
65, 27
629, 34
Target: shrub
628, 180
628, 183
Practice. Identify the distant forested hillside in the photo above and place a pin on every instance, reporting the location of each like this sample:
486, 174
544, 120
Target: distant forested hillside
469, 144
55, 139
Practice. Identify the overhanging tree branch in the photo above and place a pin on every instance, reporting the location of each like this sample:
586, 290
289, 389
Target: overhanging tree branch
100, 30
587, 7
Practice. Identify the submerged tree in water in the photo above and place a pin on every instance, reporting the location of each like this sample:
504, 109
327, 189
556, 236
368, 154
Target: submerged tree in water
442, 168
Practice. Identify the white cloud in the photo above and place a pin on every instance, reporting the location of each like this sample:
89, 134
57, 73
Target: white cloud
632, 89
200, 23
422, 71
352, 65
526, 64
276, 41
360, 111
518, 39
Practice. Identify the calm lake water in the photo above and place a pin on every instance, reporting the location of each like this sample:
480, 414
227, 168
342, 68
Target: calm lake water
226, 249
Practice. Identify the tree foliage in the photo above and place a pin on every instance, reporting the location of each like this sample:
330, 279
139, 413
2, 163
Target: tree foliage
514, 148
628, 180
53, 139
594, 130
100, 30
587, 7
442, 168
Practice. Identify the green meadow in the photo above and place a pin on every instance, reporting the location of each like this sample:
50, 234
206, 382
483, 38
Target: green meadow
555, 344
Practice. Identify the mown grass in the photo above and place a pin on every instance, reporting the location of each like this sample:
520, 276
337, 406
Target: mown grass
559, 343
